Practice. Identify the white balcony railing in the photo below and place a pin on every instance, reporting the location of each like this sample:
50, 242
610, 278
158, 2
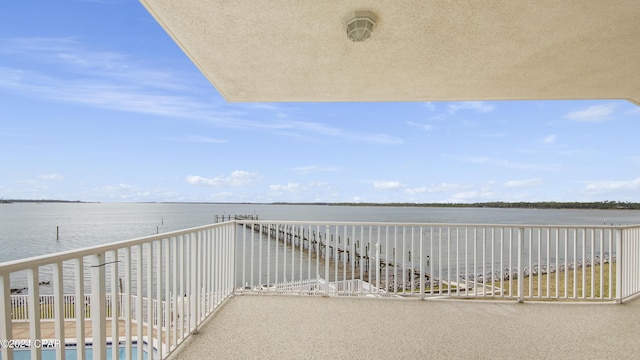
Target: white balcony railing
178, 279
189, 271
521, 262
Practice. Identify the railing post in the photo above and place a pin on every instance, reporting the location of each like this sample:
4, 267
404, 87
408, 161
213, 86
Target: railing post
327, 255
234, 240
58, 303
620, 275
98, 303
79, 308
194, 292
520, 272
34, 311
6, 330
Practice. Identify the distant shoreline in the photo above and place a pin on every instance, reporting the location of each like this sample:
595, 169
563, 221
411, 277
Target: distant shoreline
601, 205
12, 201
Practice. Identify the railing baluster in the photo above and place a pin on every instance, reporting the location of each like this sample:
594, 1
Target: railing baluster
620, 261
575, 263
98, 313
34, 310
475, 261
440, 243
115, 306
345, 256
80, 310
465, 250
566, 263
6, 326
584, 263
520, 277
539, 232
466, 260
484, 261
192, 293
159, 318
138, 308
548, 262
502, 274
167, 321
268, 269
58, 310
430, 265
265, 227
369, 260
231, 262
449, 260
557, 262
127, 302
530, 238
149, 293
277, 229
285, 236
593, 264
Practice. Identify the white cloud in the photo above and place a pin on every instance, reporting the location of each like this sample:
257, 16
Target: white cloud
237, 178
115, 81
478, 106
299, 128
313, 169
425, 127
290, 187
508, 164
474, 159
523, 183
202, 139
613, 185
437, 188
465, 196
430, 105
550, 139
595, 113
386, 185
317, 184
51, 177
118, 187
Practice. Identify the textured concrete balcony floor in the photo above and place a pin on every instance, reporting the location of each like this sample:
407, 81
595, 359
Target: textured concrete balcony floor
291, 327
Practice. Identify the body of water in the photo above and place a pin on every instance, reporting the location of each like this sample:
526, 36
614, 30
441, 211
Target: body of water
30, 229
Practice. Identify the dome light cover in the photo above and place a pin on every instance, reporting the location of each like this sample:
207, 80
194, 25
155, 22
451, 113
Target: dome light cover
361, 25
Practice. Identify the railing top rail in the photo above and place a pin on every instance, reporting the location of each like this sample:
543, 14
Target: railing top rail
356, 223
32, 262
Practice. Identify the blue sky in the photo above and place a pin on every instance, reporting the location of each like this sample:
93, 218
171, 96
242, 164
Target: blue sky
98, 104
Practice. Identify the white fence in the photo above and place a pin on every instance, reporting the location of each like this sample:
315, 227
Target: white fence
192, 272
522, 262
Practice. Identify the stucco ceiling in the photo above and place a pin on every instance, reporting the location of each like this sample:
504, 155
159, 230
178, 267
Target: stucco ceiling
423, 50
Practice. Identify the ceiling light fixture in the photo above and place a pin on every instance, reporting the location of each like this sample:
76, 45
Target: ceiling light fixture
360, 25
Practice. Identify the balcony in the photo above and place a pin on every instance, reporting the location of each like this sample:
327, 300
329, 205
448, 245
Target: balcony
147, 296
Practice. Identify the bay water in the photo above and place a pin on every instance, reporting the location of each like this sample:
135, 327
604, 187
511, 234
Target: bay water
32, 229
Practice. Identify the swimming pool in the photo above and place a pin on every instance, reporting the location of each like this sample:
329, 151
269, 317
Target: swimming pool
72, 354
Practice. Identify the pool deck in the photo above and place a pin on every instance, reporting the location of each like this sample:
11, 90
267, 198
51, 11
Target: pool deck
20, 329
295, 327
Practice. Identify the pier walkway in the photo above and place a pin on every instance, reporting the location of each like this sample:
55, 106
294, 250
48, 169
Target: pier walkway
335, 247
298, 327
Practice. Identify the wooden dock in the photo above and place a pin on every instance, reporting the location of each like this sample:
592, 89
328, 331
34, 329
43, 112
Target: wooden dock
333, 248
223, 218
